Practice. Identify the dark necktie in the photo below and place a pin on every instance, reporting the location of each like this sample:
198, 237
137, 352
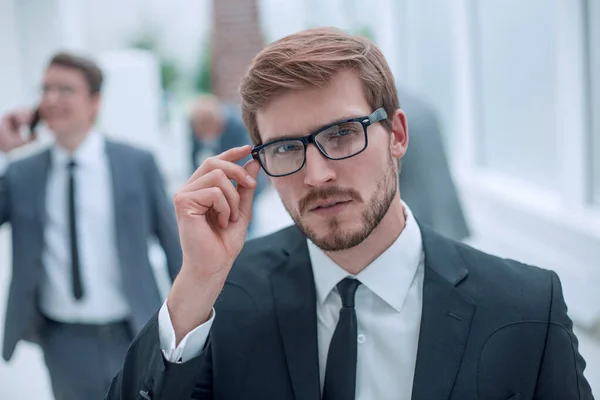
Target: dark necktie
340, 373
75, 272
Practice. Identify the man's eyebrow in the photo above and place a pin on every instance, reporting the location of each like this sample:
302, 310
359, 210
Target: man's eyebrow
312, 129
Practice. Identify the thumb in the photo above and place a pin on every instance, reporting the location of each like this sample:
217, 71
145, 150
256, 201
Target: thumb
247, 194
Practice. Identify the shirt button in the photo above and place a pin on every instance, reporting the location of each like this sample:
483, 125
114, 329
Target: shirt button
361, 338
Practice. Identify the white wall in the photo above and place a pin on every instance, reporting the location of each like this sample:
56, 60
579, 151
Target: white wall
182, 25
131, 98
10, 67
44, 27
594, 46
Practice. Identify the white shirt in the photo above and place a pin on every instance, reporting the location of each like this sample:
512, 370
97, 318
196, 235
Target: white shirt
389, 305
103, 300
3, 163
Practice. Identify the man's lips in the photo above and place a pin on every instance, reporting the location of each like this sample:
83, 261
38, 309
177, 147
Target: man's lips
324, 204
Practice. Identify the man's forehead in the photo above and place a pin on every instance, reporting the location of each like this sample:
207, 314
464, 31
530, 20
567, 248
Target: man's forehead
274, 125
63, 73
301, 112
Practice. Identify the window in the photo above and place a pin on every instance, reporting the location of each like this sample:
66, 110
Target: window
515, 52
594, 68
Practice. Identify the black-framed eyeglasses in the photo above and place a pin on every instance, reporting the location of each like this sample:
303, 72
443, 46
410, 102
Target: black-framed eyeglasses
337, 141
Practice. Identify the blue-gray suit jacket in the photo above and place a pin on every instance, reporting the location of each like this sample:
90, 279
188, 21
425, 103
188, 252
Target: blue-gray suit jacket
142, 210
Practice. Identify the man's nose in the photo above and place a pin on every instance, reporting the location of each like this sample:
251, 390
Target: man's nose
317, 167
51, 97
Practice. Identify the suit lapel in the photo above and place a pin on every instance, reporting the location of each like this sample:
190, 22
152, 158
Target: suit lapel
446, 319
39, 180
295, 306
120, 170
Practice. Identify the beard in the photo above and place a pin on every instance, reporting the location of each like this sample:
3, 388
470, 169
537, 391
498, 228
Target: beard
337, 238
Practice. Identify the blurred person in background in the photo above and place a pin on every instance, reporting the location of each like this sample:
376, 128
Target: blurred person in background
357, 300
81, 214
426, 180
216, 128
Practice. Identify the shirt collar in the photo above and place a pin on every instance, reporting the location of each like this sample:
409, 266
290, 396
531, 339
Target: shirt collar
88, 153
389, 276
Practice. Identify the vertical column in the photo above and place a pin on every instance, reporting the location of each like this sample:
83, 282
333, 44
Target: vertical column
466, 79
131, 98
236, 38
572, 117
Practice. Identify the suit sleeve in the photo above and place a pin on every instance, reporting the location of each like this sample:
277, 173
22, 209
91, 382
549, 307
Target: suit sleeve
4, 211
196, 146
561, 373
146, 375
164, 222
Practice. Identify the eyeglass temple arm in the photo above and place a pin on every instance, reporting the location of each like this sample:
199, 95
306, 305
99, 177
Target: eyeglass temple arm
378, 115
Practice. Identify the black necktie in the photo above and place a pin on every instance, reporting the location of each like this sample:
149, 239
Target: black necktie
340, 373
75, 272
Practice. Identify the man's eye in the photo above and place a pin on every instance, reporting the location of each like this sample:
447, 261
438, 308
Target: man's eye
287, 148
343, 132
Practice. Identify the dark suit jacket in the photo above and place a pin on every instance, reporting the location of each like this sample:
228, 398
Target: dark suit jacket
491, 329
142, 210
426, 183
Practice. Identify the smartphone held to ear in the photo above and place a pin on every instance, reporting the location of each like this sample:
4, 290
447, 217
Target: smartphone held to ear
36, 119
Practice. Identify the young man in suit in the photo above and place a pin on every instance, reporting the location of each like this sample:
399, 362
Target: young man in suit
357, 300
81, 215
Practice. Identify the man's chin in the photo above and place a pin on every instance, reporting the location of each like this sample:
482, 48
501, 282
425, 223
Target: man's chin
56, 128
337, 242
334, 238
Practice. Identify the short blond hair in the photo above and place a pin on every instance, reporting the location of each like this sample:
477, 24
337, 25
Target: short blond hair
311, 58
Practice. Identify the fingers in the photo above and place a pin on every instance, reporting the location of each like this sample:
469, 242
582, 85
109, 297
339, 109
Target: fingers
232, 155
232, 171
202, 201
218, 179
246, 194
19, 118
211, 185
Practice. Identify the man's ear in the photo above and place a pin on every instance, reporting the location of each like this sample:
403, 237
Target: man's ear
96, 100
399, 137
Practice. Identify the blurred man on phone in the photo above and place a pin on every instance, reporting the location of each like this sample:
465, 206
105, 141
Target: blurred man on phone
81, 214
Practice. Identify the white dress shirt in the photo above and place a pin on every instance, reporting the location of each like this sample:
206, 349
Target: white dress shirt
3, 163
388, 307
103, 300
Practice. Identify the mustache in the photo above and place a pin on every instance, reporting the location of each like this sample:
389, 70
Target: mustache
325, 193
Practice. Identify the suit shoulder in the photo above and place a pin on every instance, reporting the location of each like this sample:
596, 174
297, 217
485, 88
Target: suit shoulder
129, 150
505, 281
259, 256
31, 161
